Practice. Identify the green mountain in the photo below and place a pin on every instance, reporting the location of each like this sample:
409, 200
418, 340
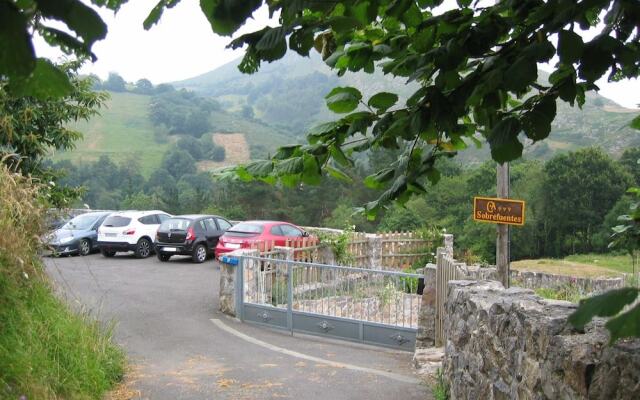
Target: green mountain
276, 105
290, 94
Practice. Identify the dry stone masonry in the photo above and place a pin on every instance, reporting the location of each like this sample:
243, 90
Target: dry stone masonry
511, 344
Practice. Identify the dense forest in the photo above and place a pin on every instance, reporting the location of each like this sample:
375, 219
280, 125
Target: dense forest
573, 199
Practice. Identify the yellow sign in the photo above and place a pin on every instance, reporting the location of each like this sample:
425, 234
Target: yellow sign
498, 211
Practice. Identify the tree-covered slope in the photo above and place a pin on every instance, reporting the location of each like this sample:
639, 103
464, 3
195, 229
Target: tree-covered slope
290, 93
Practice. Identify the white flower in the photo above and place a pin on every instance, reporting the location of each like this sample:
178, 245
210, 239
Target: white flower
26, 276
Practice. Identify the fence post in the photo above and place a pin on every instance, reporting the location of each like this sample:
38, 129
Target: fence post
290, 296
239, 292
375, 251
448, 244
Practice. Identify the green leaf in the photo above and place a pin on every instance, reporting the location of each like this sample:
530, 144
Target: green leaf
156, 12
311, 174
17, 57
343, 99
260, 168
603, 305
301, 41
336, 173
504, 142
570, 47
340, 157
625, 325
81, 19
595, 61
226, 16
46, 81
521, 74
341, 24
635, 123
537, 122
377, 180
383, 101
271, 39
291, 166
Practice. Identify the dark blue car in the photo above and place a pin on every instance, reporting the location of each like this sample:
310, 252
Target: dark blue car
77, 236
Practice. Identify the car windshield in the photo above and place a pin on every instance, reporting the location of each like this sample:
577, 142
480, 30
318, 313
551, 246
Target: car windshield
245, 228
175, 224
116, 221
81, 222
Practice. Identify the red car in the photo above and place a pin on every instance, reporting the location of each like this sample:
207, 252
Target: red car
260, 234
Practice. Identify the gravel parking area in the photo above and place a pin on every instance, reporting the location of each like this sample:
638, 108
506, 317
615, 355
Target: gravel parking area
163, 314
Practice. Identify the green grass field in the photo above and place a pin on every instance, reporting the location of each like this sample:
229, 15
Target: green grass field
123, 131
585, 265
120, 132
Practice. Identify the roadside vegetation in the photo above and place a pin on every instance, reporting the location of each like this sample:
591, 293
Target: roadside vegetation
47, 351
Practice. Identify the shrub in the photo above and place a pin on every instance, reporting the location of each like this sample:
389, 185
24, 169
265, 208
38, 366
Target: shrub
46, 351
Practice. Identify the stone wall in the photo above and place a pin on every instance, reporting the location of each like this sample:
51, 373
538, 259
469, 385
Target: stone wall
227, 294
535, 280
511, 344
426, 335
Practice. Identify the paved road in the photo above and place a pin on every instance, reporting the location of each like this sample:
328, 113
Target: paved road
181, 347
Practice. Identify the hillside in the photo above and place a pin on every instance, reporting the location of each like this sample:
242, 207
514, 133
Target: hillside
276, 105
123, 131
289, 93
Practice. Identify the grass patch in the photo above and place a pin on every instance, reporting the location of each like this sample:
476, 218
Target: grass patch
46, 350
440, 388
616, 262
580, 265
122, 131
567, 293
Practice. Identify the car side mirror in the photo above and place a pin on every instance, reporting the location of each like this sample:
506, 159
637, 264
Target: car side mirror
305, 234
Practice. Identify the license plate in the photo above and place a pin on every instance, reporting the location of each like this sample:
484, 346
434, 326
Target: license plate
110, 234
233, 245
169, 249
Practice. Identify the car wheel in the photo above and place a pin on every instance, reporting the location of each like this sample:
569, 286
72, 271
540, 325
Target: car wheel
163, 256
107, 253
199, 254
84, 247
143, 248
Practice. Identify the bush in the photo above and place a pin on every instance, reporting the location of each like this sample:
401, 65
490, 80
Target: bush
46, 351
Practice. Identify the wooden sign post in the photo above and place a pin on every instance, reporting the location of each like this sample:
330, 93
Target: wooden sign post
504, 212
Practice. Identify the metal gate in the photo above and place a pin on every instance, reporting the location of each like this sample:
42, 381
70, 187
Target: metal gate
370, 306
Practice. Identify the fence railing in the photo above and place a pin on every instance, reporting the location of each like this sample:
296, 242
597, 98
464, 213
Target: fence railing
383, 297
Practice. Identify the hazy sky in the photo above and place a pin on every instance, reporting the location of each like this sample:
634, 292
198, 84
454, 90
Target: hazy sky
182, 45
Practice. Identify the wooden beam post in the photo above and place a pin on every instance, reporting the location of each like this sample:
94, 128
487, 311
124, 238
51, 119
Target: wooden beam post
503, 255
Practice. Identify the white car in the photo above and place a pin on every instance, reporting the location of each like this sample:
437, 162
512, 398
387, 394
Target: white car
130, 231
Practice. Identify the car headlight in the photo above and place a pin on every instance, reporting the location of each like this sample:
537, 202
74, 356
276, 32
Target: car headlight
66, 239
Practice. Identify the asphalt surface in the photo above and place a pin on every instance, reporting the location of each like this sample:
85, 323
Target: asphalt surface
181, 347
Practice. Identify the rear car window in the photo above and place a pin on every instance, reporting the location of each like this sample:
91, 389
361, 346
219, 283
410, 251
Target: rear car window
223, 224
244, 229
116, 221
81, 222
175, 224
289, 230
148, 219
276, 230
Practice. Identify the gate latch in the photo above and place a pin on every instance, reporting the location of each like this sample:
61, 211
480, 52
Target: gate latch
325, 326
265, 316
399, 338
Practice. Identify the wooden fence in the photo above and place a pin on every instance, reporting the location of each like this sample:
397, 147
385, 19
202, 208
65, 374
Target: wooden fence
401, 249
393, 250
